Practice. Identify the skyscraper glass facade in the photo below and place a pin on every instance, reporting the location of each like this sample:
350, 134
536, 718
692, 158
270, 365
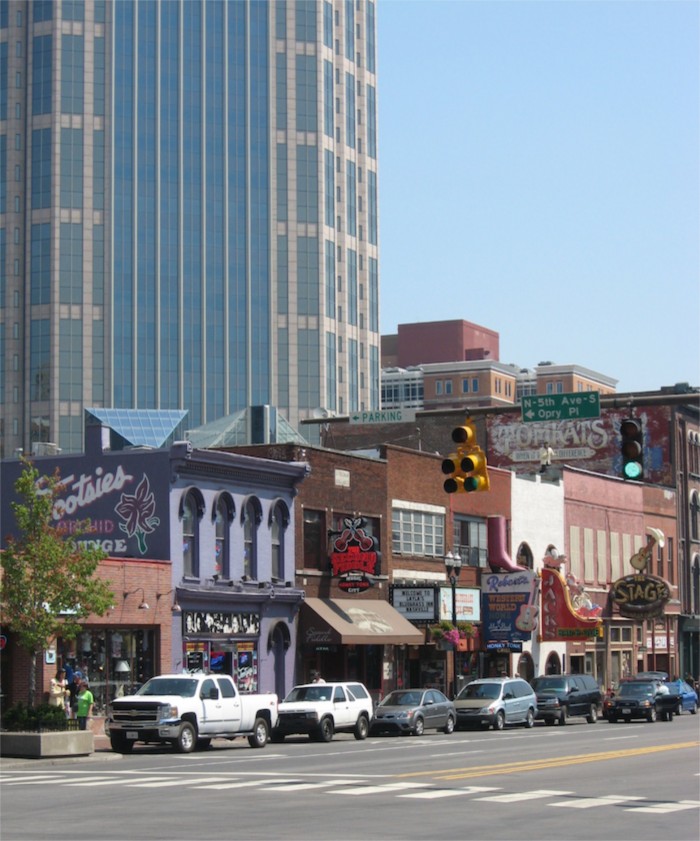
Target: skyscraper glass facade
183, 187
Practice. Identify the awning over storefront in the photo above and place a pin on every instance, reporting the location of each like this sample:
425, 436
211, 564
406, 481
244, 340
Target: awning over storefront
355, 622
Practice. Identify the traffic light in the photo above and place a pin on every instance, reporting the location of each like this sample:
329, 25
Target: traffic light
467, 467
632, 448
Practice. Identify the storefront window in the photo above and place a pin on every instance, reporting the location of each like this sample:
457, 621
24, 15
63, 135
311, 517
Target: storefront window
239, 660
115, 662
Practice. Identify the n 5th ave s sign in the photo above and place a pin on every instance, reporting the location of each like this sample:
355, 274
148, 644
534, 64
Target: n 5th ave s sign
548, 407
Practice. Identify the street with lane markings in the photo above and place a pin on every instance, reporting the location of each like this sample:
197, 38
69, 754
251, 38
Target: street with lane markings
576, 782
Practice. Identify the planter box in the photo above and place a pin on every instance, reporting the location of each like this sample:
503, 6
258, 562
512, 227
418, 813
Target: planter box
42, 745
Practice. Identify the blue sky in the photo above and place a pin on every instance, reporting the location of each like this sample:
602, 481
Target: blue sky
539, 175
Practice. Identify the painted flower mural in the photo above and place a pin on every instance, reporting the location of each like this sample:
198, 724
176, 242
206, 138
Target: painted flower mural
137, 511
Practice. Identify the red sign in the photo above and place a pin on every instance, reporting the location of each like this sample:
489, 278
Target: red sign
354, 557
559, 619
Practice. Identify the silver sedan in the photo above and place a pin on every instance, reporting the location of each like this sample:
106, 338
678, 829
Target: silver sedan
413, 711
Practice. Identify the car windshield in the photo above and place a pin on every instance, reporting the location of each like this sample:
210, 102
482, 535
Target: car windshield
637, 690
549, 683
402, 699
183, 687
319, 692
490, 691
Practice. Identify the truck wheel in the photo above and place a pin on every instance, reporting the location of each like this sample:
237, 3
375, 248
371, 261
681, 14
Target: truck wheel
120, 744
563, 716
592, 716
186, 738
325, 730
361, 728
260, 735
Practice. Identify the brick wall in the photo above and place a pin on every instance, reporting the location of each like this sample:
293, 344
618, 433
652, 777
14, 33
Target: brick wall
124, 575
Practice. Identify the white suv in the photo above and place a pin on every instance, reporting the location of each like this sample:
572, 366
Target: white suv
321, 709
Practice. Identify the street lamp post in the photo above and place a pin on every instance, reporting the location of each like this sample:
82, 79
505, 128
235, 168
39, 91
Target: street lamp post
453, 565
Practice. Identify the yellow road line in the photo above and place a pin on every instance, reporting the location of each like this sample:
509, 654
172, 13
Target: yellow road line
540, 764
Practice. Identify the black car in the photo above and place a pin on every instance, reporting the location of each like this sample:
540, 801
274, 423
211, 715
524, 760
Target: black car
648, 699
560, 697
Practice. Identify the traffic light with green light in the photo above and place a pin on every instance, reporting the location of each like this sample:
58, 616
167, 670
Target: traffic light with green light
632, 448
467, 468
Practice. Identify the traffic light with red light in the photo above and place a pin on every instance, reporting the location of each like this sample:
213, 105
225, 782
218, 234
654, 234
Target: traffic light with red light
467, 468
632, 448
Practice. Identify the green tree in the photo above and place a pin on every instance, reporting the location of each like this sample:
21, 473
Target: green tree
48, 585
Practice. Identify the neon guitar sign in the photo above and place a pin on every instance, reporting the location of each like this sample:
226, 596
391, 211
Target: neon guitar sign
528, 617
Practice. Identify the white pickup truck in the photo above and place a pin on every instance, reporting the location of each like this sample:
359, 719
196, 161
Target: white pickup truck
188, 711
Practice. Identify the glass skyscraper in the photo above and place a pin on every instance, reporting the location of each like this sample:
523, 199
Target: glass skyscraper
188, 210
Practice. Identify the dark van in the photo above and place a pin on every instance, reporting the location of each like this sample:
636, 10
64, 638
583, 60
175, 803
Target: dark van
560, 697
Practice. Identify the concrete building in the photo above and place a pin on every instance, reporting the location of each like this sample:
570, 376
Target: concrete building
188, 213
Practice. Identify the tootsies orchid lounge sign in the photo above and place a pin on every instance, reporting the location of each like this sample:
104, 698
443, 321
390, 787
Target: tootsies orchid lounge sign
119, 502
354, 557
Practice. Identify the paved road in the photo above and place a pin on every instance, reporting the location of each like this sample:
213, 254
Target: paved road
577, 782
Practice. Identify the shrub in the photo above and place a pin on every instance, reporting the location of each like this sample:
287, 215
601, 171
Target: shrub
20, 717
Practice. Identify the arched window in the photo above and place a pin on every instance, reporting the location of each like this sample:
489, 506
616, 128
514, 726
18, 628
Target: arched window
250, 517
191, 510
524, 557
553, 666
223, 515
279, 520
694, 515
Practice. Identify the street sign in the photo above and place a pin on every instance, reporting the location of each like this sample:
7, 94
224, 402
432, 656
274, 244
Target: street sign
556, 407
385, 416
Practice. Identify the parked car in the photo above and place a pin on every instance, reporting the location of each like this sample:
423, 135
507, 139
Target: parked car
647, 699
414, 711
687, 696
560, 697
651, 676
496, 702
188, 711
322, 709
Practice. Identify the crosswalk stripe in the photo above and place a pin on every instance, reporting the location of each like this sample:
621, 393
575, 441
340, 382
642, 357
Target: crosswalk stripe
175, 781
114, 781
36, 781
235, 784
665, 808
447, 792
299, 786
524, 795
360, 790
589, 802
105, 781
